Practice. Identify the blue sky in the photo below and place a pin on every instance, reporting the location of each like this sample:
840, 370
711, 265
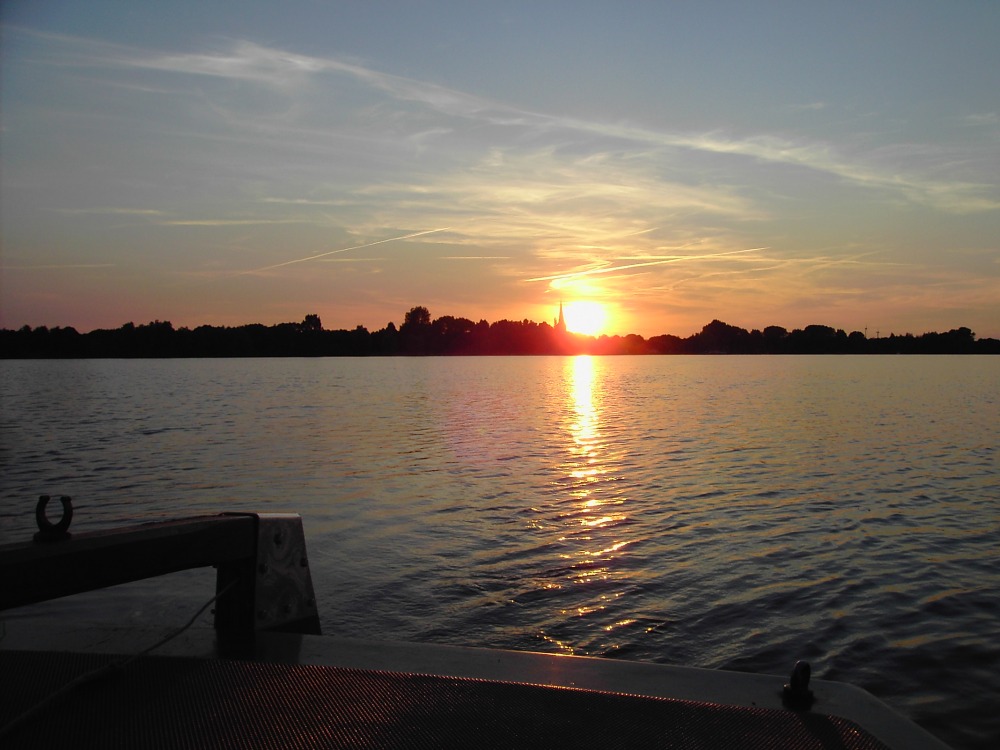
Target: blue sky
763, 163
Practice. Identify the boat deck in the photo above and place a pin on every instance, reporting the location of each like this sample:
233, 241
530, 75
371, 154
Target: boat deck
264, 678
174, 702
304, 691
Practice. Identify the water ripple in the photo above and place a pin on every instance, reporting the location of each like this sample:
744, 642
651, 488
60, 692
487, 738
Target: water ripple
735, 512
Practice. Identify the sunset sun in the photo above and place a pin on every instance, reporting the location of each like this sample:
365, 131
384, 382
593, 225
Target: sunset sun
589, 318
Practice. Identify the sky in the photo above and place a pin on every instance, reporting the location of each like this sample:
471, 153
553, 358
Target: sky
668, 163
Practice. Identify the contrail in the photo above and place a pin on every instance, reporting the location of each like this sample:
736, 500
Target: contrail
346, 249
612, 269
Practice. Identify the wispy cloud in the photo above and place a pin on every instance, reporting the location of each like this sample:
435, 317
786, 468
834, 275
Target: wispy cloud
305, 202
242, 61
287, 72
611, 268
110, 211
346, 249
55, 266
983, 118
229, 222
808, 107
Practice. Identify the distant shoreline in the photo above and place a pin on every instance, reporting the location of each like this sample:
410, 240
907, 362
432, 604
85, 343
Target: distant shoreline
450, 336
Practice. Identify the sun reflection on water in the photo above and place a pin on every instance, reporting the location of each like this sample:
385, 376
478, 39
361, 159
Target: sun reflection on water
587, 465
584, 427
591, 517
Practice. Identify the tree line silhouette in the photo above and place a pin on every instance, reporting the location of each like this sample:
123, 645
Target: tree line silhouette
420, 335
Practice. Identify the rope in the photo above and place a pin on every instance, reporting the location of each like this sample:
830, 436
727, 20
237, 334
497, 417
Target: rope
96, 674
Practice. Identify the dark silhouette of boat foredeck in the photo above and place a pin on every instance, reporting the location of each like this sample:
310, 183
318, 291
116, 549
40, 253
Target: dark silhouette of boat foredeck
265, 678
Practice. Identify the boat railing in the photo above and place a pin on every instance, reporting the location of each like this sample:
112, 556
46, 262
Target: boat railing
262, 580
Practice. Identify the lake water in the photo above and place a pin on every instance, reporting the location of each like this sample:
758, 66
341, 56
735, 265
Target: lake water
725, 512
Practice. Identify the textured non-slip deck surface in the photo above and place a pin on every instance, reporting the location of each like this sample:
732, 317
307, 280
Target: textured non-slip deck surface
166, 702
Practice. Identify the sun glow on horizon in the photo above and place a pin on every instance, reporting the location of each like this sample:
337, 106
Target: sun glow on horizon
589, 318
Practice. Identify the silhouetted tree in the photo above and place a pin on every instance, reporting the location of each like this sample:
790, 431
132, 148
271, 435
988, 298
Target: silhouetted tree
451, 335
415, 332
719, 338
666, 344
417, 316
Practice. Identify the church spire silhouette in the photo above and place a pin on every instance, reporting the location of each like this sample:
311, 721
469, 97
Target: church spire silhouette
561, 323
